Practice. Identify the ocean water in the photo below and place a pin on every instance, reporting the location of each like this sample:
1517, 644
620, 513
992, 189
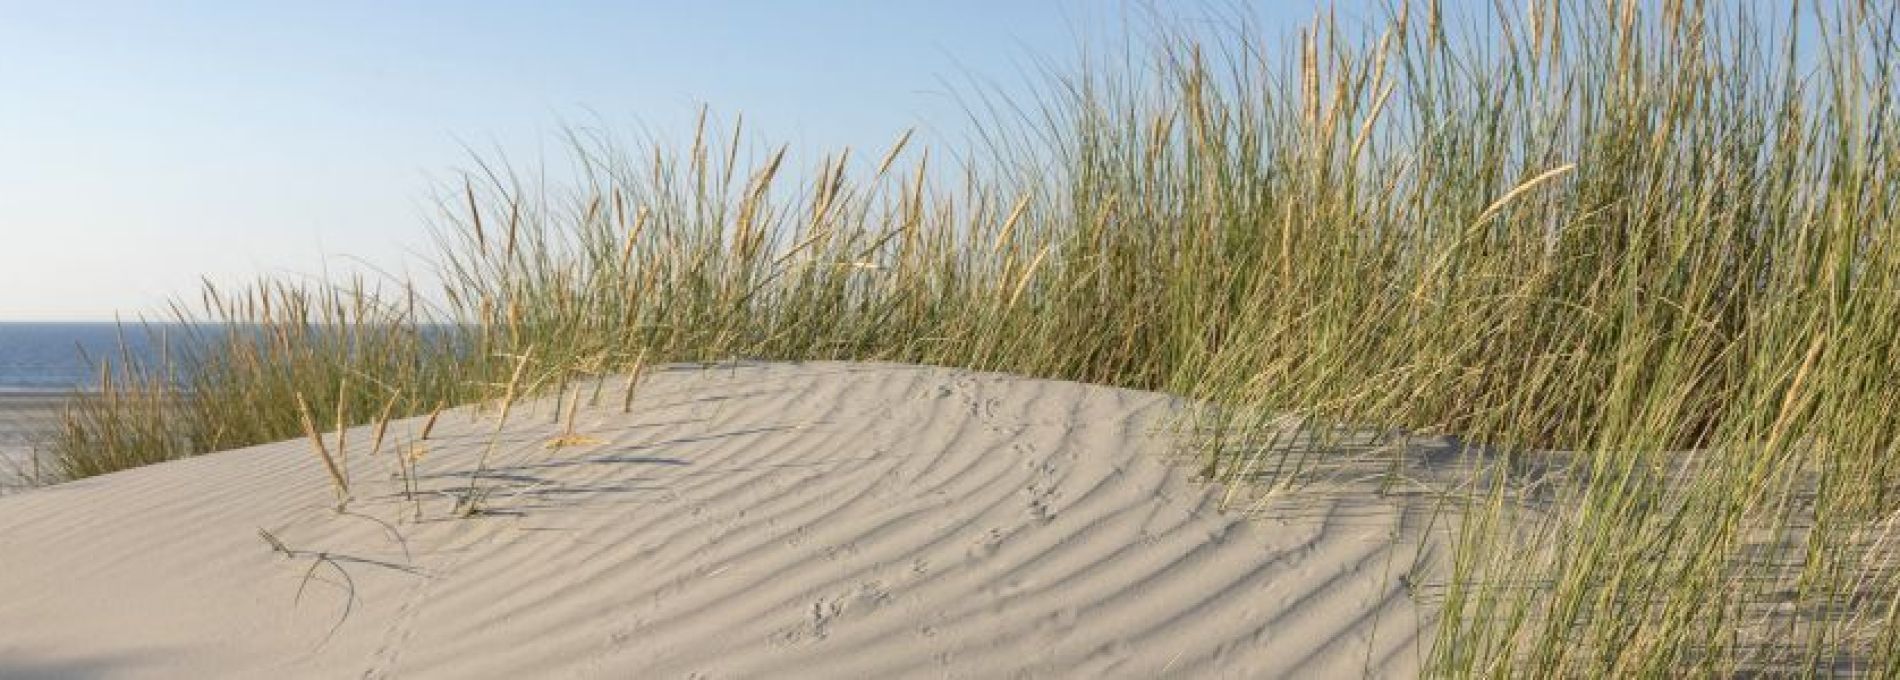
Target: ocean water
62, 357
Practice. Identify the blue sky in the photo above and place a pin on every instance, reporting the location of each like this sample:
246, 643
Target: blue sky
146, 145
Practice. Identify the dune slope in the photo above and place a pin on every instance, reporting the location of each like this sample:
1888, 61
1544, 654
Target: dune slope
786, 520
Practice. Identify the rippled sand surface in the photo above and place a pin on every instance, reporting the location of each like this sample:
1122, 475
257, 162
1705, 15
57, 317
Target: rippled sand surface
824, 520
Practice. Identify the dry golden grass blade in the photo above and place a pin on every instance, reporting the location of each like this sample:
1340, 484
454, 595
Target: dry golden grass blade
1028, 275
890, 157
1492, 210
382, 425
633, 381
342, 429
475, 216
1009, 224
573, 405
339, 483
428, 426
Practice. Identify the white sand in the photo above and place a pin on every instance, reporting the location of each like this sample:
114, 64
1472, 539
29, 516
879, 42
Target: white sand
819, 520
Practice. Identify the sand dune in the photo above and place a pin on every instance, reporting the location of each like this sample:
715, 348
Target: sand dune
813, 520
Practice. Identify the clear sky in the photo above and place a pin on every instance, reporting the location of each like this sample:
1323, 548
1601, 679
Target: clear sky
144, 145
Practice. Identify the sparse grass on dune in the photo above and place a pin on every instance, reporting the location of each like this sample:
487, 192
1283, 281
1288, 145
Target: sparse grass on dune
235, 376
1661, 238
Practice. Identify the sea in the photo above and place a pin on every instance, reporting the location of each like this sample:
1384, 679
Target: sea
40, 358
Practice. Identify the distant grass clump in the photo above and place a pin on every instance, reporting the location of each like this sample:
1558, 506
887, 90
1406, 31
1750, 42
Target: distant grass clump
1658, 236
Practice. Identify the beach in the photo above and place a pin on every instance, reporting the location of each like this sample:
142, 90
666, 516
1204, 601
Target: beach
25, 419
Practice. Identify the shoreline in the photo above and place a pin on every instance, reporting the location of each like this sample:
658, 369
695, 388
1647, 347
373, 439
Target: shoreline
8, 394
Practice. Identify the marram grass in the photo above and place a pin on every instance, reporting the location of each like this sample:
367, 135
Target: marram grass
1659, 238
